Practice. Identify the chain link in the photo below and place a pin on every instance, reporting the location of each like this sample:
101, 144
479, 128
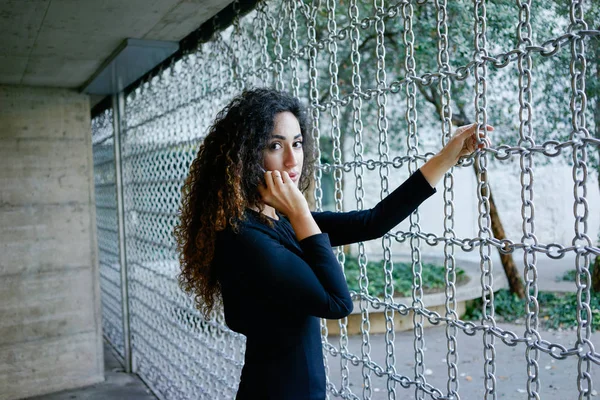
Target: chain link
484, 220
315, 132
524, 64
236, 49
337, 176
276, 22
445, 87
580, 207
415, 245
383, 149
293, 25
262, 15
359, 193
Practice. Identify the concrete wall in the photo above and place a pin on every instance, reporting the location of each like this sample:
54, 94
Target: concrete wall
50, 330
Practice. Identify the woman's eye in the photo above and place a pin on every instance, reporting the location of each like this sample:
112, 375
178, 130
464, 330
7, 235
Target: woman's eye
298, 144
274, 146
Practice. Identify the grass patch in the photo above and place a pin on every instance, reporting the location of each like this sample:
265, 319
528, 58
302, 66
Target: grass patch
557, 310
432, 276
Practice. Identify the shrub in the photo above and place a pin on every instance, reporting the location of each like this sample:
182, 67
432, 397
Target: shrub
557, 310
432, 277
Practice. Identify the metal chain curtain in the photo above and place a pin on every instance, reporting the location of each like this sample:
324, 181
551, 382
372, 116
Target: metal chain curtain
107, 231
181, 355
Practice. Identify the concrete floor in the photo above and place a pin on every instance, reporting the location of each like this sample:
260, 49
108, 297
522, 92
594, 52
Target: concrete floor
117, 385
558, 378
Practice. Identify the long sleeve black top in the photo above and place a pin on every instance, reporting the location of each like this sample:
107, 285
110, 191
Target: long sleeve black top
275, 288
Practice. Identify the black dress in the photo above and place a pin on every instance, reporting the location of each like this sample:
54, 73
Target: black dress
275, 289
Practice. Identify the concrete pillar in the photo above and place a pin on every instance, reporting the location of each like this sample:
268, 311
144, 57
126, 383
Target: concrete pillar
50, 320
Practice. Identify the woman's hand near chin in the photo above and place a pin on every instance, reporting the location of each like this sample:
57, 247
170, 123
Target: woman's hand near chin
283, 195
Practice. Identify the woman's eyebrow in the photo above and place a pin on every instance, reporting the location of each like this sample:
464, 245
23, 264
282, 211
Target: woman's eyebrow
284, 138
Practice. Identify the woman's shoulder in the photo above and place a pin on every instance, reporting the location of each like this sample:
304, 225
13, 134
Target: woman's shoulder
251, 227
236, 247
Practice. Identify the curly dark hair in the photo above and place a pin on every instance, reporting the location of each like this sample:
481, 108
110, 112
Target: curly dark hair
223, 181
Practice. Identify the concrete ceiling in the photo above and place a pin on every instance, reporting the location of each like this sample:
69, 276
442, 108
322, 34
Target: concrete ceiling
62, 43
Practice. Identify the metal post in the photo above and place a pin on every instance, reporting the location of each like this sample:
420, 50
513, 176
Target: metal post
118, 104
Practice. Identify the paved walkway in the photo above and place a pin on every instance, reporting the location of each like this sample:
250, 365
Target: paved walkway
118, 385
549, 271
558, 378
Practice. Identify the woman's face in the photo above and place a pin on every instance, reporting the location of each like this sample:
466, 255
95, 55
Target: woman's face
284, 149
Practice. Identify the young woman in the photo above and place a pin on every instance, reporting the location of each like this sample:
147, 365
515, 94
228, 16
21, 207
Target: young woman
247, 238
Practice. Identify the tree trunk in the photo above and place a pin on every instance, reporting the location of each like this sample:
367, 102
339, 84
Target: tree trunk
595, 47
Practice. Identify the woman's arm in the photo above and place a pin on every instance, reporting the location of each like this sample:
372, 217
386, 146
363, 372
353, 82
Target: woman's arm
312, 284
357, 226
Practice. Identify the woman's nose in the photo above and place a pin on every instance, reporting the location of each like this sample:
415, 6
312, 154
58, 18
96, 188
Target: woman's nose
290, 158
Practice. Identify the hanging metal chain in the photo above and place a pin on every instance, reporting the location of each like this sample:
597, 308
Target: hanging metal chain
254, 47
204, 69
247, 56
483, 192
334, 111
213, 67
255, 44
580, 207
293, 25
445, 86
524, 65
225, 60
236, 48
219, 52
383, 148
415, 245
315, 132
359, 193
313, 94
277, 25
262, 16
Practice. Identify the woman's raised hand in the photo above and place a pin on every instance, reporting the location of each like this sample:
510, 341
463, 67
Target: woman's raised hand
283, 195
464, 142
